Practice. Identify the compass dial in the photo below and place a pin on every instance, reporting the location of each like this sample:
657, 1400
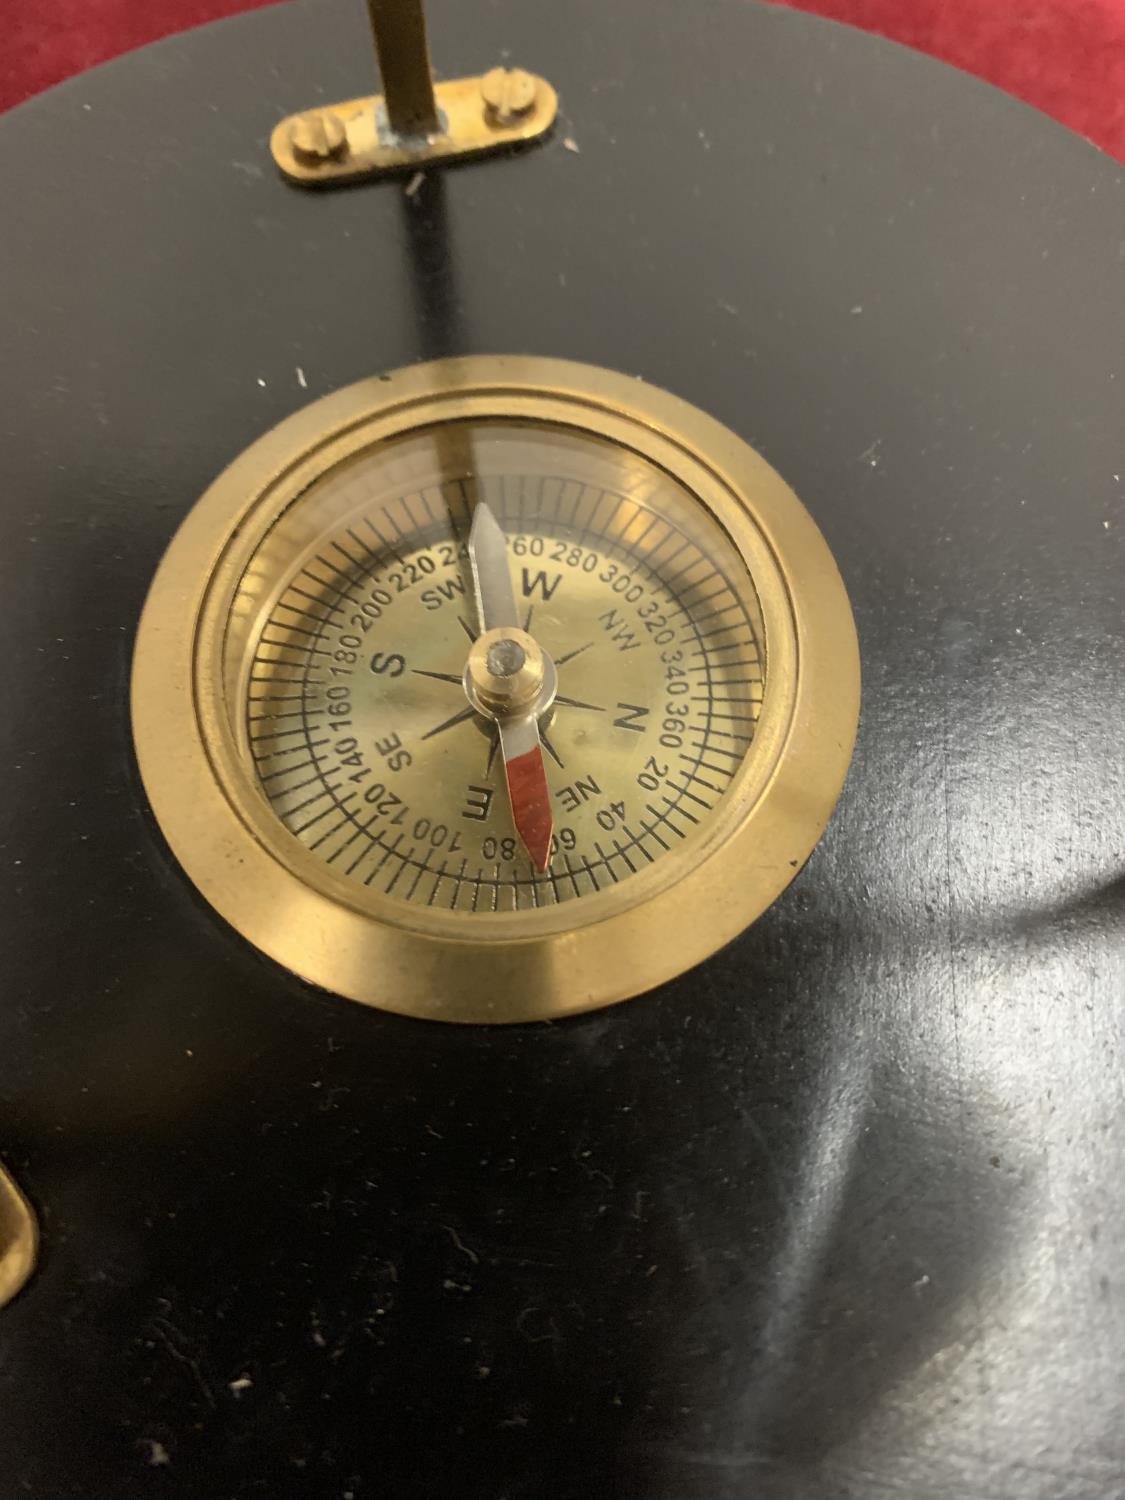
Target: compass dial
495, 689
358, 723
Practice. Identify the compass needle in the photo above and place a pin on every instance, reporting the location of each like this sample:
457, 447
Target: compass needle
492, 582
511, 680
370, 669
530, 798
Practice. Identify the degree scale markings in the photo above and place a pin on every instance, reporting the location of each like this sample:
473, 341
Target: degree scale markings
561, 516
516, 882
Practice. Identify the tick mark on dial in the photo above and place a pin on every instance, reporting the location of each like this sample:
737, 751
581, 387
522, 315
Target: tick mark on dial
561, 661
550, 749
577, 703
458, 718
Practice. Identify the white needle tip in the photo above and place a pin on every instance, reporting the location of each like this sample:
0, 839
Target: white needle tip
484, 521
492, 583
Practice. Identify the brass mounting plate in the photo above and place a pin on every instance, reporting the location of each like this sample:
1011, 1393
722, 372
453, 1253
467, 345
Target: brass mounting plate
370, 148
19, 1239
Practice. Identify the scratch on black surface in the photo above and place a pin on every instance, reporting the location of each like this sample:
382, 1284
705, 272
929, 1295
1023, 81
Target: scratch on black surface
712, 1459
551, 1335
595, 1174
174, 1341
460, 1244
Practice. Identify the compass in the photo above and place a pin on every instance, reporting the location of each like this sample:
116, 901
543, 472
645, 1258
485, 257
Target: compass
836, 1211
494, 689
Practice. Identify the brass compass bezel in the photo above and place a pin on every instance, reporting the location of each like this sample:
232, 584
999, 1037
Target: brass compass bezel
516, 966
19, 1239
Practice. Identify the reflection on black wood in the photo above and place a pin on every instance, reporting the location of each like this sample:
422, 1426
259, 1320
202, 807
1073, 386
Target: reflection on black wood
686, 1278
432, 277
431, 268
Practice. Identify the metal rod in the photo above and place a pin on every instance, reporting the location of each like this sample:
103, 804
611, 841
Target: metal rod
399, 27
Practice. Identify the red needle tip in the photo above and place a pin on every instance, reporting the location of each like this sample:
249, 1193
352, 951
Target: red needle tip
531, 805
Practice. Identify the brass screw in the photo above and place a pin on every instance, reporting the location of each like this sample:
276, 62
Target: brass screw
318, 136
505, 671
507, 94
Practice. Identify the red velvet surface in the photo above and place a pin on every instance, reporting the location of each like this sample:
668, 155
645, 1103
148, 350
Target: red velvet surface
1067, 57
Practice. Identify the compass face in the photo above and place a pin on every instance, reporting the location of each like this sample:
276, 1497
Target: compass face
495, 689
361, 608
